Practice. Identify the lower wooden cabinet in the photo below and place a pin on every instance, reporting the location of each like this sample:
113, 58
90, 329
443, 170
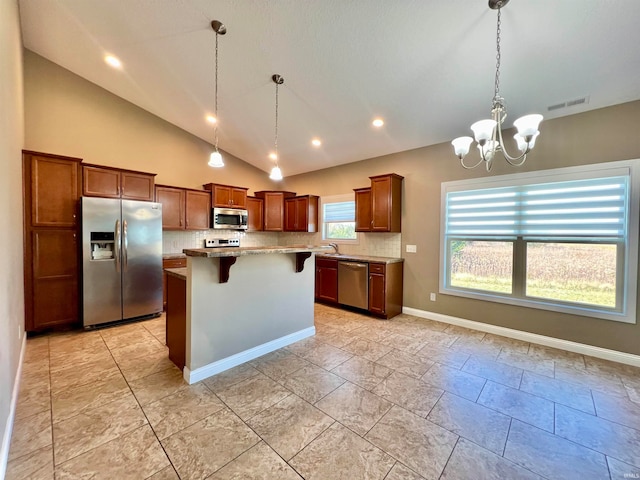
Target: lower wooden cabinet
385, 289
326, 280
169, 263
177, 320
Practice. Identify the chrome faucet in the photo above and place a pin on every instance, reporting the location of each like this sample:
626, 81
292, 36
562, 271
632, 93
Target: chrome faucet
335, 247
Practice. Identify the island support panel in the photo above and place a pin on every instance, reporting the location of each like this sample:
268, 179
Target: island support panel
264, 306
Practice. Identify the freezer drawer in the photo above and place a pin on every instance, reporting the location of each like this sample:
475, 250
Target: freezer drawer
353, 283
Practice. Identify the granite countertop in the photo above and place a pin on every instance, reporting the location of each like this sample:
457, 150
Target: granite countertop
242, 251
171, 256
177, 272
360, 258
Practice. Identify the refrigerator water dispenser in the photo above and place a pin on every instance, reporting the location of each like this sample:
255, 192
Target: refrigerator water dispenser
102, 246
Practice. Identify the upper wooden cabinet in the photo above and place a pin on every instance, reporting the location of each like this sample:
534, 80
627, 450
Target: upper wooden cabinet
227, 195
274, 209
380, 206
363, 209
255, 222
109, 182
53, 190
51, 186
184, 209
301, 214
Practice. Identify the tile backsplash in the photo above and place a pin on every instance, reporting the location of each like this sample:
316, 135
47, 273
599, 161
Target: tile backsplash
372, 244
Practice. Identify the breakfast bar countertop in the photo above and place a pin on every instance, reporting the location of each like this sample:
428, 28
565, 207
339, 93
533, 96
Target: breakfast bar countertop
242, 251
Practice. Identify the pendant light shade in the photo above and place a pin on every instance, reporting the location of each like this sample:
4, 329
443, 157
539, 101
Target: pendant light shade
276, 173
215, 159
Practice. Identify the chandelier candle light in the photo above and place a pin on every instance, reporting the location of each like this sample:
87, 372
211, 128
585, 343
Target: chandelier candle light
215, 160
276, 173
488, 133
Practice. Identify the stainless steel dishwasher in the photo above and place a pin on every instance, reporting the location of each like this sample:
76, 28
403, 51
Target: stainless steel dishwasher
353, 284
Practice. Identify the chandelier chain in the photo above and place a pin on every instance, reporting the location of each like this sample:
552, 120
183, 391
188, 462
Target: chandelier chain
497, 81
215, 105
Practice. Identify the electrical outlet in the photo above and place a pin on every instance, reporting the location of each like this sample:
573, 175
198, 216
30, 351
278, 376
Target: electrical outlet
412, 248
174, 244
432, 297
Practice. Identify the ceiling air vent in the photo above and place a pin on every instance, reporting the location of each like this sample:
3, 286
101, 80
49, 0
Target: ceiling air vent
568, 103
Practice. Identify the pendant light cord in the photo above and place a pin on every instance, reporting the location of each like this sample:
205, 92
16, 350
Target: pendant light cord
215, 112
276, 134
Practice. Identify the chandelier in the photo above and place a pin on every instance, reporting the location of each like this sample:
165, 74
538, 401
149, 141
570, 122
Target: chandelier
488, 133
215, 159
276, 173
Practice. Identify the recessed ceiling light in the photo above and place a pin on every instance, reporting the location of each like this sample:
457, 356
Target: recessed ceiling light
316, 142
377, 122
273, 156
211, 119
113, 61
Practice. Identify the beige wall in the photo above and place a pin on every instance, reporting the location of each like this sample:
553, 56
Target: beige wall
603, 135
67, 115
11, 279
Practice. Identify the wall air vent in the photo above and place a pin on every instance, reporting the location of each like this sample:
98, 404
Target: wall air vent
568, 103
557, 106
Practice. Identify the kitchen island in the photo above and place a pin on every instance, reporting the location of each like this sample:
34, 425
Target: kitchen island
241, 303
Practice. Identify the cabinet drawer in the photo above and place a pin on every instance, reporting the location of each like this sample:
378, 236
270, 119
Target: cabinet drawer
326, 262
376, 268
174, 262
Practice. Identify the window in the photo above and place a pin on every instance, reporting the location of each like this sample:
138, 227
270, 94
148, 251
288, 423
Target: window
339, 218
563, 240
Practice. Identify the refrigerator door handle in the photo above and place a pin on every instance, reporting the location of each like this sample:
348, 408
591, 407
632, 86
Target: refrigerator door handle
117, 245
125, 254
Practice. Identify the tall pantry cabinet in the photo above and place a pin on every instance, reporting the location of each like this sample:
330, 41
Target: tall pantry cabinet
52, 188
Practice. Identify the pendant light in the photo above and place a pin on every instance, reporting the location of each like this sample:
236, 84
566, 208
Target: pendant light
488, 133
215, 160
276, 173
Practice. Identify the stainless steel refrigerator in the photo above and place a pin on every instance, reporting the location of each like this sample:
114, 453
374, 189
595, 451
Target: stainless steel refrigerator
121, 259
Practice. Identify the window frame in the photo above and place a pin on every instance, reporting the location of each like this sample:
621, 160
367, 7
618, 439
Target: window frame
346, 197
627, 257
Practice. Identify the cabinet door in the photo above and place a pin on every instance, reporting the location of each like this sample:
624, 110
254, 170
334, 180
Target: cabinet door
54, 192
273, 212
381, 204
327, 284
377, 293
363, 210
136, 186
255, 220
386, 201
239, 197
290, 214
221, 196
197, 210
302, 214
55, 277
100, 182
172, 200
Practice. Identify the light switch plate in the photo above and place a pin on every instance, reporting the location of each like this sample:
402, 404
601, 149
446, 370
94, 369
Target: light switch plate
432, 297
412, 248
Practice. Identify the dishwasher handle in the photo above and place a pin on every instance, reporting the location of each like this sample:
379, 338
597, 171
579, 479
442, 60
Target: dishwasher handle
354, 265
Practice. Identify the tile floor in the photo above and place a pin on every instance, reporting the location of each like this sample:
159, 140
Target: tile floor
363, 399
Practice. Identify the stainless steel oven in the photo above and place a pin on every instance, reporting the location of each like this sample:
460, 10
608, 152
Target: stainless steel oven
229, 218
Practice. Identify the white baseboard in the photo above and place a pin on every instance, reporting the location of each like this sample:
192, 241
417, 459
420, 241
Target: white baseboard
8, 429
604, 353
193, 376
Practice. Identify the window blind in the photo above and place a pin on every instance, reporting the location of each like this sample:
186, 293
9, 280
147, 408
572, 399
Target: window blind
594, 207
340, 212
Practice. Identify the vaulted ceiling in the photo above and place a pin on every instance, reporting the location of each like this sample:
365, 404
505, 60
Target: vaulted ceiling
426, 67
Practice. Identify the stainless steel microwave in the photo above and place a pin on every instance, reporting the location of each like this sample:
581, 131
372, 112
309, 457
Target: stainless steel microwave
229, 218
